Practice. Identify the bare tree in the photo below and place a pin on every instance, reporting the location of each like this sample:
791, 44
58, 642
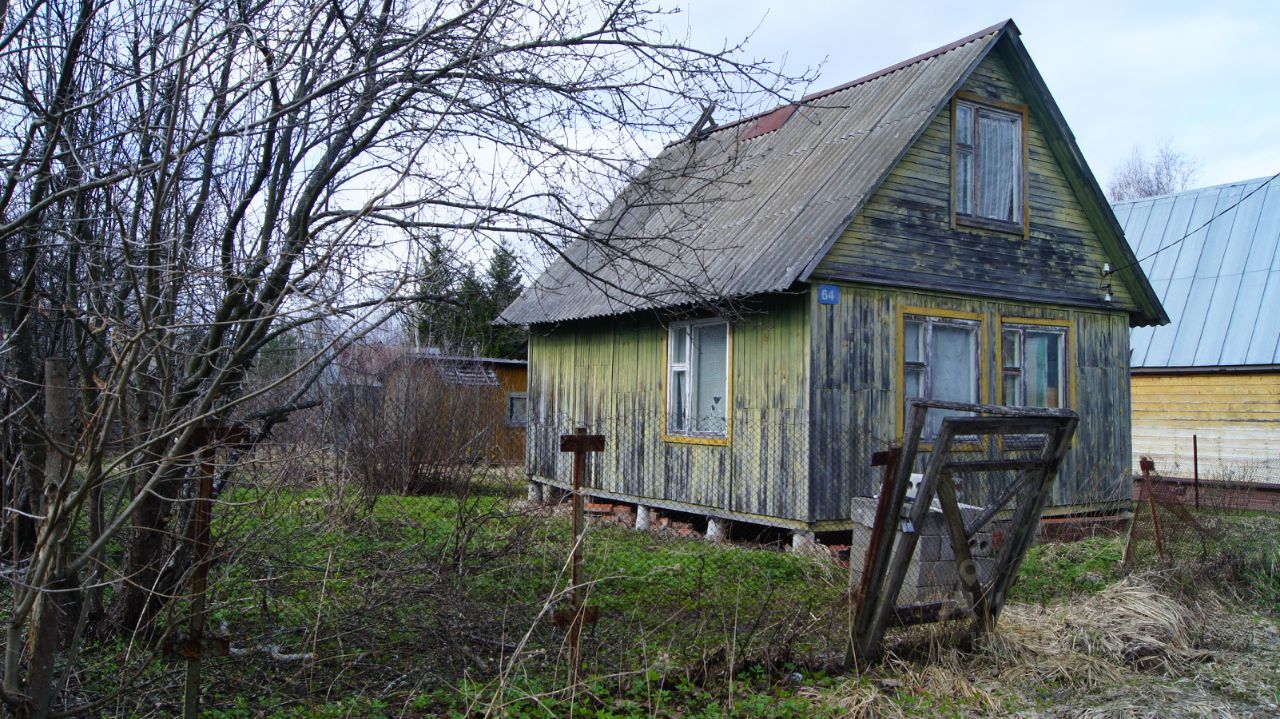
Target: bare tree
1169, 170
183, 183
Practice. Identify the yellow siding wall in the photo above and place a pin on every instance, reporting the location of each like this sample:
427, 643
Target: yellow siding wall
610, 375
1234, 417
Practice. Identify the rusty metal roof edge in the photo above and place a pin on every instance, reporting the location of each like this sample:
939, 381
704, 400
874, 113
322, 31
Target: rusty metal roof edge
1000, 30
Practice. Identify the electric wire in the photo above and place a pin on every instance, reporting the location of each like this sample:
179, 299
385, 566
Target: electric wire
1203, 225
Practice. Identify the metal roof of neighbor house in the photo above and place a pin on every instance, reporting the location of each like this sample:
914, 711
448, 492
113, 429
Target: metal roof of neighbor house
752, 206
1220, 285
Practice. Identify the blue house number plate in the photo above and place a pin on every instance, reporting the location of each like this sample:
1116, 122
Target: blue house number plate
828, 295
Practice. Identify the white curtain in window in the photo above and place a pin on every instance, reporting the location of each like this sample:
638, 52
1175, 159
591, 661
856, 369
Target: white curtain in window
952, 370
711, 375
999, 167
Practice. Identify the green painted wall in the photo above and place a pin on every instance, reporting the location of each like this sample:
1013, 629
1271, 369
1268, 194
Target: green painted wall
610, 375
856, 357
905, 234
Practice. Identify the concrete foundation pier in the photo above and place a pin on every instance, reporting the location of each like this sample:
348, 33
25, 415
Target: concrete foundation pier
717, 529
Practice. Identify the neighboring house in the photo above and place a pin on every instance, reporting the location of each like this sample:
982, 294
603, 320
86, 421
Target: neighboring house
1213, 256
927, 230
475, 405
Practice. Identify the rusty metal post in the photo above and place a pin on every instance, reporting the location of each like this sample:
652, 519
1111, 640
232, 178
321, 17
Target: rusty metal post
1195, 468
1148, 467
200, 536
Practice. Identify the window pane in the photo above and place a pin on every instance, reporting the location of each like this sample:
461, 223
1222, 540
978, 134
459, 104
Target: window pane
952, 374
1011, 349
913, 381
1043, 369
951, 360
999, 166
517, 410
680, 345
675, 403
1013, 389
964, 182
964, 124
913, 342
710, 400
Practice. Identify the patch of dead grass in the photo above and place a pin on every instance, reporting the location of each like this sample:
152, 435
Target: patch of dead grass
1130, 651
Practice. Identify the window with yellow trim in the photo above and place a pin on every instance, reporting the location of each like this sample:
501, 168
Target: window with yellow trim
698, 378
940, 361
1033, 365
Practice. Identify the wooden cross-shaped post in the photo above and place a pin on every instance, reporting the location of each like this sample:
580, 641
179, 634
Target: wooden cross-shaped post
579, 443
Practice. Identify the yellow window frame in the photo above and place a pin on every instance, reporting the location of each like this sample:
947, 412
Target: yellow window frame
970, 221
1068, 353
664, 417
984, 358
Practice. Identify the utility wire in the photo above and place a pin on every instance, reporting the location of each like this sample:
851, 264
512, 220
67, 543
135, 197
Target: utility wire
1205, 224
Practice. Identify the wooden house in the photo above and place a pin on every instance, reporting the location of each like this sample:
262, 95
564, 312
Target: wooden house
760, 303
1213, 372
474, 405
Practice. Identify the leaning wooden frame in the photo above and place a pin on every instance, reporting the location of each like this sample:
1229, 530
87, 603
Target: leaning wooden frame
985, 441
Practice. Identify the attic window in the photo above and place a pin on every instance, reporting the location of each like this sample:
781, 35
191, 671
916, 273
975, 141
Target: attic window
988, 165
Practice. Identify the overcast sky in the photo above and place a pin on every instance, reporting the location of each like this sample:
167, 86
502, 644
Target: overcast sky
1205, 76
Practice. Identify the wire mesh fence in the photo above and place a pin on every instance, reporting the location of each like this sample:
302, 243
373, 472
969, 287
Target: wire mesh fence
1207, 533
383, 555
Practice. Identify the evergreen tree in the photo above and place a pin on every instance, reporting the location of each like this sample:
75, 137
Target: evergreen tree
503, 285
463, 324
438, 322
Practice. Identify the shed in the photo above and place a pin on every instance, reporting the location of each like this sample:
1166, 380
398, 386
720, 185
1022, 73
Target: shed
474, 405
1213, 372
761, 302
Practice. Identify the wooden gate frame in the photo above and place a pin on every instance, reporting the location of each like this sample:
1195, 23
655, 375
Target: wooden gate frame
894, 537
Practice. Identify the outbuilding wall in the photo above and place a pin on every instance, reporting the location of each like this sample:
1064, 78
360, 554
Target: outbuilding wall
1234, 416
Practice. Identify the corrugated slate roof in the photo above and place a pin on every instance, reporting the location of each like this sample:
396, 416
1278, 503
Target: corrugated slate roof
1220, 285
719, 216
752, 206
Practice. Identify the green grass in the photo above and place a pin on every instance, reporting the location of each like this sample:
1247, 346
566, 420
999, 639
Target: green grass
1057, 570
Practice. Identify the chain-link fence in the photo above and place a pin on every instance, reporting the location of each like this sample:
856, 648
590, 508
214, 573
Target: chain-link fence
385, 559
1208, 533
382, 556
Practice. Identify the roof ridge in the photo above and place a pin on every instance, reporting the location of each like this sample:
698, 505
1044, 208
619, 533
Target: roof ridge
942, 50
1193, 190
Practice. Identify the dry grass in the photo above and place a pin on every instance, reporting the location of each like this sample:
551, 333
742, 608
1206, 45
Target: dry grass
1128, 651
1127, 624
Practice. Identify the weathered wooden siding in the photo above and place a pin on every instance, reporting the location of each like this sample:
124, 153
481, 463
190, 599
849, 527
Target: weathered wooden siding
904, 236
855, 395
509, 439
1235, 418
611, 375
